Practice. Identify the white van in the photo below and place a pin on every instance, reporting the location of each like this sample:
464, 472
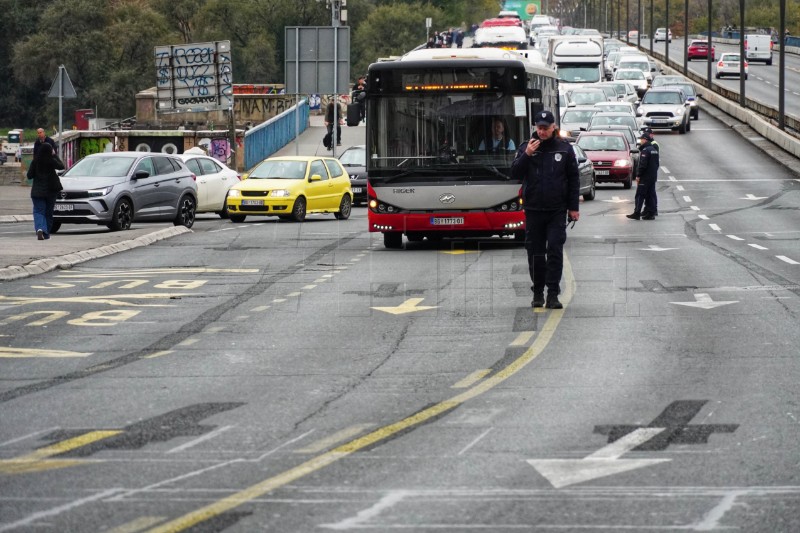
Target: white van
758, 47
576, 58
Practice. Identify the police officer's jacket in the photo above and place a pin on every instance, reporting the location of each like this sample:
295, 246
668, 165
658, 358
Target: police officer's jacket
550, 178
648, 163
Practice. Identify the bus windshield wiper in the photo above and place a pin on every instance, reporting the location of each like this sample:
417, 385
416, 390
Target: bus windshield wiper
493, 170
415, 170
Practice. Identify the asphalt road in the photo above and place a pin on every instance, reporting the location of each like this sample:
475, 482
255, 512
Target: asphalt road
301, 377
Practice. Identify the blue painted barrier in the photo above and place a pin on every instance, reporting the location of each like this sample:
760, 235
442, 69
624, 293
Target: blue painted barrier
269, 137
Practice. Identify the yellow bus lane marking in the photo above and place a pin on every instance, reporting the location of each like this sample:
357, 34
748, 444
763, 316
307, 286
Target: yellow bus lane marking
523, 338
158, 272
158, 354
409, 306
339, 436
321, 461
472, 379
459, 252
18, 353
111, 299
39, 461
139, 524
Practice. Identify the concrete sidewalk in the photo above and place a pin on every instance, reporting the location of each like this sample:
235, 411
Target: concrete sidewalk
22, 255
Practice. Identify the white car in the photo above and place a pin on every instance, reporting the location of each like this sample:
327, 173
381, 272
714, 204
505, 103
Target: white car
213, 181
728, 65
662, 34
635, 77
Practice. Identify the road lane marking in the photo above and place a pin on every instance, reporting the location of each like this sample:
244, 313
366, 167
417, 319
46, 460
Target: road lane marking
787, 260
734, 237
702, 217
30, 519
342, 435
665, 169
39, 460
362, 517
409, 306
314, 464
198, 440
308, 287
687, 199
714, 227
158, 354
260, 308
474, 442
28, 436
16, 353
523, 338
188, 342
278, 300
694, 208
139, 524
758, 247
680, 187
471, 379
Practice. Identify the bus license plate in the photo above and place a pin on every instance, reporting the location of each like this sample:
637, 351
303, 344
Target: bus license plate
64, 207
453, 221
601, 172
356, 190
252, 202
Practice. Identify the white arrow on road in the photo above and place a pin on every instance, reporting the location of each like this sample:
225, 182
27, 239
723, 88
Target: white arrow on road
751, 197
616, 200
604, 462
409, 306
656, 248
704, 301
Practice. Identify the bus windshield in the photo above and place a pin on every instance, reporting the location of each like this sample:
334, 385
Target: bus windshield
445, 129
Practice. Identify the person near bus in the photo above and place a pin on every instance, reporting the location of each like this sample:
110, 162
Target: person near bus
500, 140
359, 96
42, 138
548, 169
46, 186
329, 120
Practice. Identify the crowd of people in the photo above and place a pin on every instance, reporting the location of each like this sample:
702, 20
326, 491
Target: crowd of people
446, 39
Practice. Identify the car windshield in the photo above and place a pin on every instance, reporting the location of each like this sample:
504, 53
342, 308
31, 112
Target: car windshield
577, 116
278, 169
730, 57
101, 166
639, 65
356, 157
687, 88
699, 43
630, 75
617, 107
662, 98
614, 120
578, 73
587, 98
600, 143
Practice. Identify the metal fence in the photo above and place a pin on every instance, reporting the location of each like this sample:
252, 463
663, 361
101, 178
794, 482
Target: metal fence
272, 135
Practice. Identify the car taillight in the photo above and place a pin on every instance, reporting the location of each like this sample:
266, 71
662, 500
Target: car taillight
745, 64
720, 64
239, 177
194, 178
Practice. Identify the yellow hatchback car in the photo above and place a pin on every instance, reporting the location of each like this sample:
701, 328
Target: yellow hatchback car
291, 187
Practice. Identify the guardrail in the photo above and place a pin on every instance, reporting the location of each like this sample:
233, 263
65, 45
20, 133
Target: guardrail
268, 137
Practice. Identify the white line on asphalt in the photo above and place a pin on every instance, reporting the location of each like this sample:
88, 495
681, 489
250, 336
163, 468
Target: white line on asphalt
260, 308
207, 436
665, 169
474, 442
58, 510
679, 187
188, 342
687, 199
293, 294
329, 441
734, 237
673, 178
702, 217
308, 287
357, 522
320, 280
694, 208
278, 300
28, 436
714, 227
713, 517
758, 247
787, 260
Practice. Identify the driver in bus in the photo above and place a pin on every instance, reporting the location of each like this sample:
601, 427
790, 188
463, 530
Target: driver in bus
500, 139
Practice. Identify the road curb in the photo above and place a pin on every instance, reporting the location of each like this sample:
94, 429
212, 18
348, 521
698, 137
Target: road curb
64, 262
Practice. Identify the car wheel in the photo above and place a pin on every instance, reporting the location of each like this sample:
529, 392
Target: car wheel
696, 114
745, 76
393, 239
682, 128
415, 237
628, 182
224, 213
689, 124
55, 227
345, 207
122, 216
718, 75
186, 211
589, 196
299, 209
238, 219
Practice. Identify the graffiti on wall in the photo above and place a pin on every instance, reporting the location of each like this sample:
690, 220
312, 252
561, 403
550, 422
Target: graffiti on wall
219, 149
258, 89
258, 109
94, 145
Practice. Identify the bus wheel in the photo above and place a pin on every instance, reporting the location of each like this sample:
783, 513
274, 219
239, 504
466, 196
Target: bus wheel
393, 239
415, 237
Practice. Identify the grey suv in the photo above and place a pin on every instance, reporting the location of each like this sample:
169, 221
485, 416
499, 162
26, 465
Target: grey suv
116, 189
665, 107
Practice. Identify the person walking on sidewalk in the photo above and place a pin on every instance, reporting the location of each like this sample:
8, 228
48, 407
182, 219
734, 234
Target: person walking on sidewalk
45, 188
548, 170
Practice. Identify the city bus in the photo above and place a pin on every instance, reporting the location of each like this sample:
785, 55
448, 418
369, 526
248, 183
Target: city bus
432, 168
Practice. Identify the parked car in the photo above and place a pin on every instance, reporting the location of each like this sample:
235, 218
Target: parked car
698, 49
292, 187
118, 188
665, 107
610, 154
662, 34
728, 65
691, 95
213, 181
354, 160
586, 173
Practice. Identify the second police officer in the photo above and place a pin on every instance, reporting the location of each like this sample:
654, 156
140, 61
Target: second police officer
646, 178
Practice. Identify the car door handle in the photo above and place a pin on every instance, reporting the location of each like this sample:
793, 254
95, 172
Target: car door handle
156, 185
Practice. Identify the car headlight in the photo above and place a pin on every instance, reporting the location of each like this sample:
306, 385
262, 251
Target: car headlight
93, 193
234, 193
622, 163
679, 111
279, 193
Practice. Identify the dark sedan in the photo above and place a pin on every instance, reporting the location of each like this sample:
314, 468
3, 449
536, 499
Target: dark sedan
586, 171
611, 155
354, 160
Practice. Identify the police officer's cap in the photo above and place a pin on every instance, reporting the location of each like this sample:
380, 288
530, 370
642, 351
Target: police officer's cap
545, 118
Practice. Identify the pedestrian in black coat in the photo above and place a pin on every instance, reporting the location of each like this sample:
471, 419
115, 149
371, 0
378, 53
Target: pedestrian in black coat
46, 186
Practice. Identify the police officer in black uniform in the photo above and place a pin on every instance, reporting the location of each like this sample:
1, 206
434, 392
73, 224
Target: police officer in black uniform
548, 169
646, 178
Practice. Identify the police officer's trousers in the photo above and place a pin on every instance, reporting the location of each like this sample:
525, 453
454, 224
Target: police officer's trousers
545, 235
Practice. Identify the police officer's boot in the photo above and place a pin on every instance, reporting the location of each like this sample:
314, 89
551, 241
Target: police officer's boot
634, 216
552, 301
538, 299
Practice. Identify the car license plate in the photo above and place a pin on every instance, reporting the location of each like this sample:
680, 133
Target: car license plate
356, 189
658, 121
252, 202
64, 207
601, 172
452, 221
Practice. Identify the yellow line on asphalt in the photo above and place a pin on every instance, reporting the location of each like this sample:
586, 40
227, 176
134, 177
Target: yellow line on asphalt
321, 461
8, 352
472, 379
38, 461
523, 338
339, 436
188, 342
157, 354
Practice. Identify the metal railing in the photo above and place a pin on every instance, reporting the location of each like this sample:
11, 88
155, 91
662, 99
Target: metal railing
268, 137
